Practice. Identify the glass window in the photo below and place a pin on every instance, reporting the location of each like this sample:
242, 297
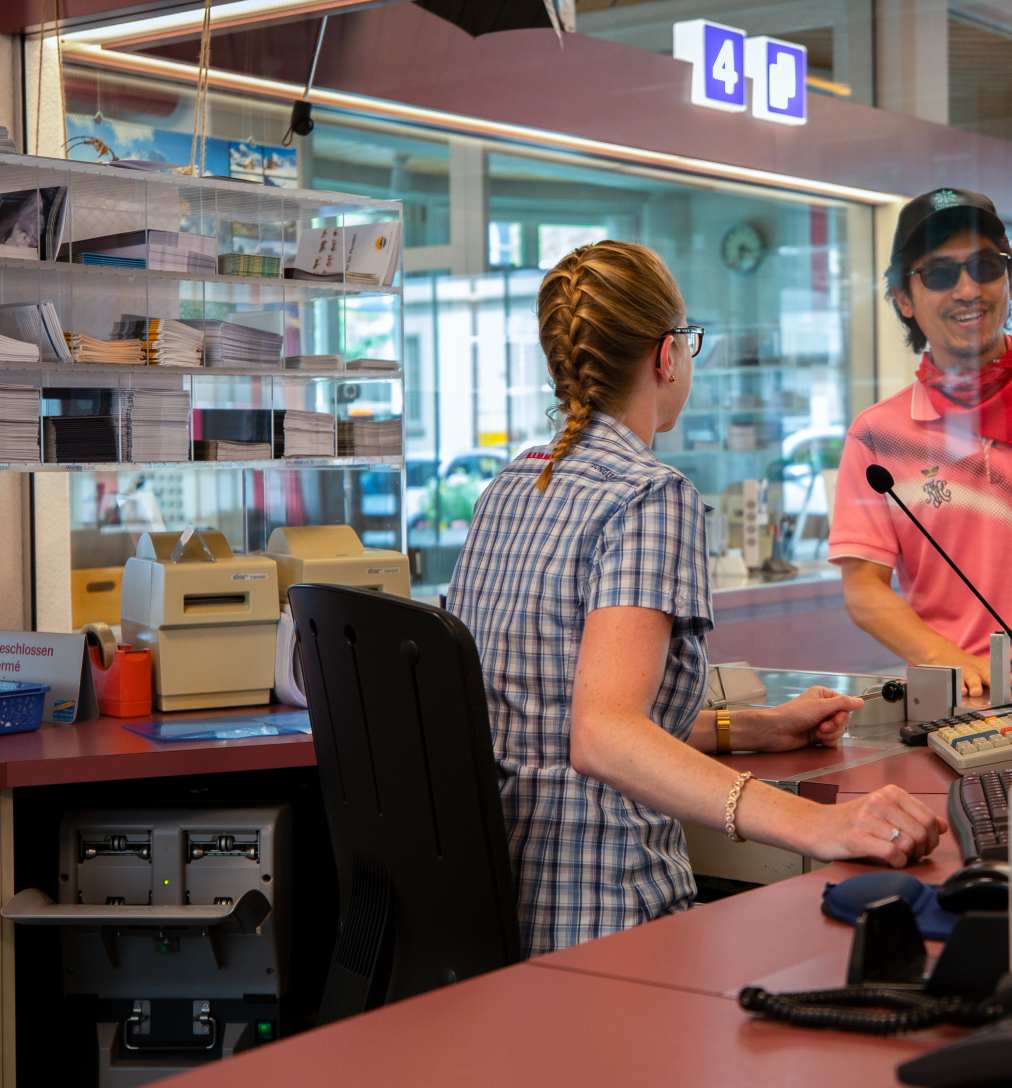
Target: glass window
505, 245
387, 163
556, 240
768, 275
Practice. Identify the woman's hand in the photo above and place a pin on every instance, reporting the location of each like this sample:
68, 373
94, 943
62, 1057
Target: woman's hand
888, 825
817, 716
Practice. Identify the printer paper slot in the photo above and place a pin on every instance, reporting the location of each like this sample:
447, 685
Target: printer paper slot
215, 602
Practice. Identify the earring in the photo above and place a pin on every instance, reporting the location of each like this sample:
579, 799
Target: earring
671, 378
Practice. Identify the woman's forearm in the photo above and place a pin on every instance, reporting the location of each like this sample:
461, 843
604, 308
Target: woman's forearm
746, 731
648, 765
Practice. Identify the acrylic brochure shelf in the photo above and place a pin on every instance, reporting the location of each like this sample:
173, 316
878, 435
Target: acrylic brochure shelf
204, 466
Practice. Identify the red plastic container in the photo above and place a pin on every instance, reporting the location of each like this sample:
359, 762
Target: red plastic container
123, 689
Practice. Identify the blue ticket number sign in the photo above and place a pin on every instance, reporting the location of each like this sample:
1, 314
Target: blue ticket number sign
777, 70
717, 55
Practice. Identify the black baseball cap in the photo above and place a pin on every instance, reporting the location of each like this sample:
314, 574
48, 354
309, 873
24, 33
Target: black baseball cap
952, 204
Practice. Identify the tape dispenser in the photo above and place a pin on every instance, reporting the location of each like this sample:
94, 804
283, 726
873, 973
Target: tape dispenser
120, 673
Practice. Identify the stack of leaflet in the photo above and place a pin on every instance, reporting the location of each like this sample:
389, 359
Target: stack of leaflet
303, 434
221, 449
81, 439
249, 264
155, 424
36, 323
7, 145
17, 351
89, 349
376, 366
159, 250
106, 260
229, 434
19, 423
369, 437
227, 344
313, 362
166, 342
367, 255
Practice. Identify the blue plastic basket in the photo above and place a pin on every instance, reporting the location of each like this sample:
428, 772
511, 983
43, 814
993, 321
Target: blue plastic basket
21, 706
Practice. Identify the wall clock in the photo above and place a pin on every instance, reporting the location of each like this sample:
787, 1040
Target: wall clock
742, 248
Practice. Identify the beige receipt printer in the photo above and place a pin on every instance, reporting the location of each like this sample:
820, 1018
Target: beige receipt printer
208, 616
334, 555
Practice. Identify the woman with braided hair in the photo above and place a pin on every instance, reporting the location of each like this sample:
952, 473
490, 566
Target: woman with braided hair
584, 583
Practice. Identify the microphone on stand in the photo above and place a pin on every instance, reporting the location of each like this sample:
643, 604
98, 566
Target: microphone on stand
880, 479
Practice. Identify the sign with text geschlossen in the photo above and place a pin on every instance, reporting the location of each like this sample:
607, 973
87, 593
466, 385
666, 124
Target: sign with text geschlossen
722, 57
717, 55
777, 70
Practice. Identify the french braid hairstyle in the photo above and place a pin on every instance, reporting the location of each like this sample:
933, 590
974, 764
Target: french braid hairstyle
600, 310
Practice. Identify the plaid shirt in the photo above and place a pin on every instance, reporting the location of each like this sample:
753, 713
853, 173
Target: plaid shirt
616, 527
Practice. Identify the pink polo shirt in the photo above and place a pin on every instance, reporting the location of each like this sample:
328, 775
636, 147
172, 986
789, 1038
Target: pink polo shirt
958, 485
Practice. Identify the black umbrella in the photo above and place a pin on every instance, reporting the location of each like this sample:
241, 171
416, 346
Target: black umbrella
487, 16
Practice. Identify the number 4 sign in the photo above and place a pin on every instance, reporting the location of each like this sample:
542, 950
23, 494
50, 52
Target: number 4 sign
721, 57
717, 56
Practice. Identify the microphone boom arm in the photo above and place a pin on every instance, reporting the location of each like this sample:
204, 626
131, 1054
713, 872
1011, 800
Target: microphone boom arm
941, 551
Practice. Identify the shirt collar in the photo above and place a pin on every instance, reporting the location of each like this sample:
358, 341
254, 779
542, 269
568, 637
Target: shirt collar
603, 427
921, 408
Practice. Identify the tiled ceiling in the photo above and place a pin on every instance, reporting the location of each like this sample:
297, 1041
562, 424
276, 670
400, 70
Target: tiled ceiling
980, 77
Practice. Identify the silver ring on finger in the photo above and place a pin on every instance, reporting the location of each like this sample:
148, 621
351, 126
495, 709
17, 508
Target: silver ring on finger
894, 834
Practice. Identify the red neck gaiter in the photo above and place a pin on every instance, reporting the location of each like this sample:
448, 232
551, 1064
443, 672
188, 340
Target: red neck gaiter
979, 399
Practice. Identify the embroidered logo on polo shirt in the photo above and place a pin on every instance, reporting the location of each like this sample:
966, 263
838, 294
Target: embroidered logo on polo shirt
929, 472
937, 492
944, 198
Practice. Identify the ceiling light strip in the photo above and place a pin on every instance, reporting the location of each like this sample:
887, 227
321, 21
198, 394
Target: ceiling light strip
163, 28
471, 126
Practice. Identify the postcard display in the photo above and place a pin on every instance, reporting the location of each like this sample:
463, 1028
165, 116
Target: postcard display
158, 327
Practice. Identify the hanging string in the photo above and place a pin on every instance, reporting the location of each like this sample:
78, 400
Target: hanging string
59, 66
57, 20
38, 92
200, 101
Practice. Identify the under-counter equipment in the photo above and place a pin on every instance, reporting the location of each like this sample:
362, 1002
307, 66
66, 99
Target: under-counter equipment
175, 927
208, 616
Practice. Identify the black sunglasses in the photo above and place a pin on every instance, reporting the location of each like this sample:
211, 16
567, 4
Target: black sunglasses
944, 275
694, 339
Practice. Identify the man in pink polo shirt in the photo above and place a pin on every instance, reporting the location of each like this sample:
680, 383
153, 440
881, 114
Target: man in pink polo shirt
945, 439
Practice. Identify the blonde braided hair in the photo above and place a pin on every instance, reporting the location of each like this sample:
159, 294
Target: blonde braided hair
600, 309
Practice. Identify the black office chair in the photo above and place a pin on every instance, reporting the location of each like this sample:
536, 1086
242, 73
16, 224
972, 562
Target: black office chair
400, 727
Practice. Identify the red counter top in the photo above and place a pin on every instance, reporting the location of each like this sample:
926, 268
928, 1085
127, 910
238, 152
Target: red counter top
102, 751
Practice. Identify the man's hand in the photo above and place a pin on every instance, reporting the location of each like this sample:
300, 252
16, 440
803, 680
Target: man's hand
817, 716
976, 670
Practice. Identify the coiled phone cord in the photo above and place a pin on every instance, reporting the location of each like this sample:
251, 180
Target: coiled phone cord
873, 1010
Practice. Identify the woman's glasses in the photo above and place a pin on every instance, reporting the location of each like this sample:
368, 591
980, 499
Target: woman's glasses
944, 275
693, 337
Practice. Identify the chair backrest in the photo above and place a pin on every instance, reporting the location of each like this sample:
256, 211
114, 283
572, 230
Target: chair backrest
400, 726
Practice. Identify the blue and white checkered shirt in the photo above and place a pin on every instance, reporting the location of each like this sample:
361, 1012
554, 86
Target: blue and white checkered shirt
615, 527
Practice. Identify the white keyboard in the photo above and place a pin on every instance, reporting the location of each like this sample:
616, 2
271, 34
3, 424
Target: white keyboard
979, 745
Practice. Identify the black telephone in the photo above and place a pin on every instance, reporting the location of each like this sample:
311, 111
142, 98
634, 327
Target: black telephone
887, 992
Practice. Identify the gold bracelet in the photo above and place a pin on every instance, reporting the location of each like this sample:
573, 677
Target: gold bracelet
722, 720
731, 806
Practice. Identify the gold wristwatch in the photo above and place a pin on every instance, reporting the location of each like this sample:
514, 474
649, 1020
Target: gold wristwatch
723, 722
